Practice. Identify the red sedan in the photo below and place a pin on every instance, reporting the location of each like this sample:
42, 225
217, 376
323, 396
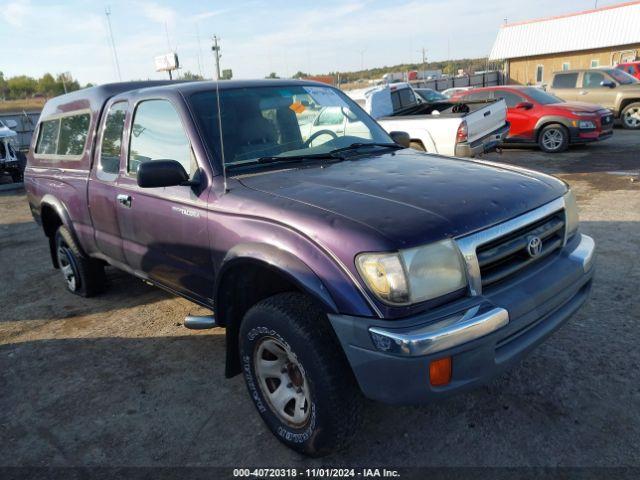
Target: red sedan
537, 117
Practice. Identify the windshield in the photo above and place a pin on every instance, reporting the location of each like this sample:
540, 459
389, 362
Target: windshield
429, 95
282, 121
622, 77
542, 97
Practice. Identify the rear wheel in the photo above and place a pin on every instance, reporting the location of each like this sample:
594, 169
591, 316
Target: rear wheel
298, 376
631, 116
553, 139
83, 276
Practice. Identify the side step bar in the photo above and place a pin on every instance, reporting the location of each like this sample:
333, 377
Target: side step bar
194, 322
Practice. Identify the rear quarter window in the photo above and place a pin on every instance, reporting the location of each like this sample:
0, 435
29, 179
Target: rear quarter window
64, 137
565, 80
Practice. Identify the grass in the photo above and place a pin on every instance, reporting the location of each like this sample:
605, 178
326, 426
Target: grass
17, 106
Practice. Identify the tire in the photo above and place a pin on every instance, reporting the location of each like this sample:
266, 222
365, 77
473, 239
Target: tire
553, 138
630, 116
17, 177
83, 276
417, 146
311, 362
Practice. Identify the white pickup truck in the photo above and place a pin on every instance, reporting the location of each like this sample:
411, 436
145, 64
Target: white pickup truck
460, 129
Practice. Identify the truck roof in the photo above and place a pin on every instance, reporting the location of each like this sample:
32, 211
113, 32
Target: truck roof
94, 97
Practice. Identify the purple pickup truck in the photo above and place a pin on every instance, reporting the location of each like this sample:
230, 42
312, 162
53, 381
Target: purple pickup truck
342, 265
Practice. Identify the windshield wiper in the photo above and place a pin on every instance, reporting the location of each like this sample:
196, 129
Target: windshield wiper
287, 159
356, 146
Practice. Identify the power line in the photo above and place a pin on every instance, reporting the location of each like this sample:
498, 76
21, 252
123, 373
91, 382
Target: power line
107, 12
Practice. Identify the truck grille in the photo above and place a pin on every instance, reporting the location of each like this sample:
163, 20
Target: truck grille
509, 254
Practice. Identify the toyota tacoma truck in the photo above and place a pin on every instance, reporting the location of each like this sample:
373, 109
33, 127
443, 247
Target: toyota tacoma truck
342, 269
447, 127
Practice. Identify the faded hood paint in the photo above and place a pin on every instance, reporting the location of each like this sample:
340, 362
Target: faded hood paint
408, 198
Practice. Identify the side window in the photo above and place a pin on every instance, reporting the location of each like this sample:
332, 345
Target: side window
510, 98
63, 137
73, 134
595, 63
565, 80
395, 100
157, 134
112, 138
592, 79
481, 96
539, 74
407, 97
48, 141
330, 116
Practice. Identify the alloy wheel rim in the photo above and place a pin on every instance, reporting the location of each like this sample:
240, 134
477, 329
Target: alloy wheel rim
632, 117
66, 267
282, 381
552, 139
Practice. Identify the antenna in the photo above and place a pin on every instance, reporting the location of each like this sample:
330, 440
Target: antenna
216, 52
107, 12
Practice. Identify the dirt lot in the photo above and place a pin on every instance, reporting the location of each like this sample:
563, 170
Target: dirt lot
116, 380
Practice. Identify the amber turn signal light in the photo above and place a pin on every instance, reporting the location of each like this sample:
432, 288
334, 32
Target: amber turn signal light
440, 372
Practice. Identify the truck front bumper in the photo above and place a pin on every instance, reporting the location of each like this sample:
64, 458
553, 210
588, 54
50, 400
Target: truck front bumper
483, 335
486, 144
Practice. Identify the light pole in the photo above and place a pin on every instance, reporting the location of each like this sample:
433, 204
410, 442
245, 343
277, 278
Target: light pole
216, 51
107, 12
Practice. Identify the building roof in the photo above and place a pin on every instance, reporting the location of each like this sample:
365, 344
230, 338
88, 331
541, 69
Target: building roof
604, 27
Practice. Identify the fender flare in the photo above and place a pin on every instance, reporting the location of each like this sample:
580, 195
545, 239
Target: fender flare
279, 261
61, 210
565, 122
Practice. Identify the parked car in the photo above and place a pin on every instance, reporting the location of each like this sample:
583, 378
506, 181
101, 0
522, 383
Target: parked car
539, 118
429, 95
12, 162
353, 267
632, 68
610, 87
450, 92
447, 128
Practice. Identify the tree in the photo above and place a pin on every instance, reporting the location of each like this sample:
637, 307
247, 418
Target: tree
4, 89
300, 74
21, 86
272, 75
48, 87
67, 82
191, 76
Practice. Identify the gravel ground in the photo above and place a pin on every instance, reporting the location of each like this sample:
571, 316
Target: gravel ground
116, 380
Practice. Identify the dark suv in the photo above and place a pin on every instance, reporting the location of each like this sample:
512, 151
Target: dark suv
340, 263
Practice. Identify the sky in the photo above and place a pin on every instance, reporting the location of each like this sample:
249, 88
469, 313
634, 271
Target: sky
256, 37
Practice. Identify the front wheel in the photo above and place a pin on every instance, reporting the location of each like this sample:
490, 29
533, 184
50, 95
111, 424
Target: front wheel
553, 139
631, 116
298, 376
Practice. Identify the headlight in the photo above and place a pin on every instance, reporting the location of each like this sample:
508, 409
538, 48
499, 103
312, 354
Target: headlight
414, 275
585, 125
571, 213
583, 114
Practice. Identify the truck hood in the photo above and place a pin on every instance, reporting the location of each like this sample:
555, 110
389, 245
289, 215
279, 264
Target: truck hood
409, 198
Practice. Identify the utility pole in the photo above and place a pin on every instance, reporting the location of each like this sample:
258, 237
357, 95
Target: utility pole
107, 12
216, 52
424, 58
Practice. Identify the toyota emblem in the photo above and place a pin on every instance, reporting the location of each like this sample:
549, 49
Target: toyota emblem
534, 247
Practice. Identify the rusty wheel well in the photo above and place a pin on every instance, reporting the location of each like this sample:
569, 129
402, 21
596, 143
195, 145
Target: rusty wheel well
240, 287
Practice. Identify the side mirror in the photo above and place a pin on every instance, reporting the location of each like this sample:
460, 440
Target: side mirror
524, 105
11, 123
401, 138
608, 83
162, 173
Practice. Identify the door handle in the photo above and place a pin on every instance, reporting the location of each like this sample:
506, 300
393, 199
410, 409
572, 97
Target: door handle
124, 200
486, 114
583, 92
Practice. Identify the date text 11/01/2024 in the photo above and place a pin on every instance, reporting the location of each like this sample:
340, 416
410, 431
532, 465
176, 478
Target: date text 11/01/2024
316, 472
